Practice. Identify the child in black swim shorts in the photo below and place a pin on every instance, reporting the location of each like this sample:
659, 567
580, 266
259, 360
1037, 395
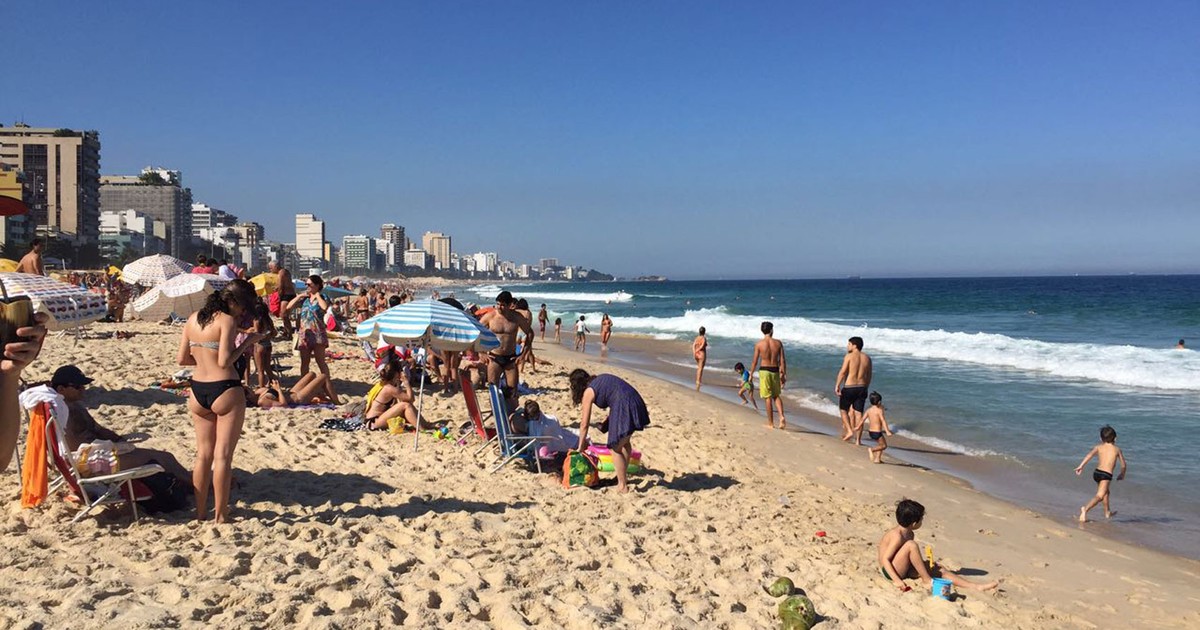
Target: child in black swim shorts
877, 426
1107, 454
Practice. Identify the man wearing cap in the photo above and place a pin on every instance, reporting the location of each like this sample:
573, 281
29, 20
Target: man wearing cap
71, 383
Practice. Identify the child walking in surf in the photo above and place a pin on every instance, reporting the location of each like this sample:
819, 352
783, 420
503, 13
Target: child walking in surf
1107, 454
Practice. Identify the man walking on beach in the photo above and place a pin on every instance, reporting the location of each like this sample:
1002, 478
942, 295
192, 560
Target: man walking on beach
286, 292
543, 317
32, 262
506, 322
853, 381
772, 373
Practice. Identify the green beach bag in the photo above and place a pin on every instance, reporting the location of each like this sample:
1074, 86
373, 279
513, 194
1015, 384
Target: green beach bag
579, 470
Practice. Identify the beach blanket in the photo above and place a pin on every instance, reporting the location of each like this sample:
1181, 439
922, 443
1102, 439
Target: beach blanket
342, 424
305, 407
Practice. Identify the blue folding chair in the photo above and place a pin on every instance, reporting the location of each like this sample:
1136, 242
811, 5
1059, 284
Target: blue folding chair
511, 446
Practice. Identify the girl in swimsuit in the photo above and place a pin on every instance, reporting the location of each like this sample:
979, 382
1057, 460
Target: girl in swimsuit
700, 353
393, 403
217, 414
605, 330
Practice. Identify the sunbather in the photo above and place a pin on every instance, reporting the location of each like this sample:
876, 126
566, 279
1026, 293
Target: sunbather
393, 405
312, 388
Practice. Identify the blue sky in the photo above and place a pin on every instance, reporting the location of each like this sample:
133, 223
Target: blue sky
693, 139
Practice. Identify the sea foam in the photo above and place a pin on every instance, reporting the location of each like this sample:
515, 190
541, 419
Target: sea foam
1129, 366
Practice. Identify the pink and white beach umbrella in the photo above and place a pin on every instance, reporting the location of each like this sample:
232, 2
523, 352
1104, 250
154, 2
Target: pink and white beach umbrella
154, 270
67, 305
181, 295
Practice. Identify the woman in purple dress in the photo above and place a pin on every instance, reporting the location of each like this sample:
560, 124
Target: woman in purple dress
626, 413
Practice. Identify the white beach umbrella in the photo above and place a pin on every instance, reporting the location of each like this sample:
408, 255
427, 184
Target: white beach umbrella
181, 295
67, 305
154, 270
435, 325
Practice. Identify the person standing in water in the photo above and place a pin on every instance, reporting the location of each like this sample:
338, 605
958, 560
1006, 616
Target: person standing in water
700, 354
605, 331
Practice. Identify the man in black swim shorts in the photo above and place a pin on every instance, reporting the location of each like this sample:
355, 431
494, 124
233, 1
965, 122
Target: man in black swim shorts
853, 381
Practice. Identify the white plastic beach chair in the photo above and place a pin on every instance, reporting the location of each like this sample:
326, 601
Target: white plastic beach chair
92, 491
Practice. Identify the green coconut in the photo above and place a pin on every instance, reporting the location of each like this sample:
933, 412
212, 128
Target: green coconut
797, 613
781, 587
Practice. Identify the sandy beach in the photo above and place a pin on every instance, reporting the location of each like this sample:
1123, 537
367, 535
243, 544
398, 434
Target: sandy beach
357, 530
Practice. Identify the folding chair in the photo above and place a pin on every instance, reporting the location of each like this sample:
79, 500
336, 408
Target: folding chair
511, 446
96, 491
485, 435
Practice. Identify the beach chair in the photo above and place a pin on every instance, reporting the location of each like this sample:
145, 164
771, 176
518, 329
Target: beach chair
511, 446
96, 491
485, 435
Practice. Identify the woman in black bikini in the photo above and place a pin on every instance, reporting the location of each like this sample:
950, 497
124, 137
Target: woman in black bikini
217, 413
262, 350
395, 400
312, 388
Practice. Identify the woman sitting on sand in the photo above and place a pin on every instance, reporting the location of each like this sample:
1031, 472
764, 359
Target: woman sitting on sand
627, 413
311, 389
393, 404
217, 413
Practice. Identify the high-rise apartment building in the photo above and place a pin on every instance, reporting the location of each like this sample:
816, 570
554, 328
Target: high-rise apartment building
157, 193
61, 169
394, 234
437, 245
206, 216
548, 263
358, 252
310, 237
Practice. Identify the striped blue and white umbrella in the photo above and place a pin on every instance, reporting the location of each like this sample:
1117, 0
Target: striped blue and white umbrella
437, 325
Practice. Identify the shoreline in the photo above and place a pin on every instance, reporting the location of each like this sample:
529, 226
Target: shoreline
641, 353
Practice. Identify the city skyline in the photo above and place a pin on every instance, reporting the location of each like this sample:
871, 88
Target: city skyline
782, 140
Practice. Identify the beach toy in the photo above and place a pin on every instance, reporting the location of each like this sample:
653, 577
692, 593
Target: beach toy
797, 613
604, 459
781, 587
941, 588
929, 556
820, 534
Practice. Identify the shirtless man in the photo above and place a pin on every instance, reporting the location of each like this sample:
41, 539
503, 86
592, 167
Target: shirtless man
506, 322
772, 373
286, 291
853, 380
32, 262
543, 317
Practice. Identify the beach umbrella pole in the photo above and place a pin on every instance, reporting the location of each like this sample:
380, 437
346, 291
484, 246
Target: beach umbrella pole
421, 396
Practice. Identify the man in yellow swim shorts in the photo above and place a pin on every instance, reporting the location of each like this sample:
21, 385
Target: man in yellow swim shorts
772, 373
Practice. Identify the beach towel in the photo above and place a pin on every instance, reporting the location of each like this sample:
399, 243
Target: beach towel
34, 485
304, 407
273, 304
34, 482
342, 424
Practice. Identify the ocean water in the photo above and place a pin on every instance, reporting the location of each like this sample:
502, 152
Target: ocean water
1014, 376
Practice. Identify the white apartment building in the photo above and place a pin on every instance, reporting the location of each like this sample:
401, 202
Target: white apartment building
310, 236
